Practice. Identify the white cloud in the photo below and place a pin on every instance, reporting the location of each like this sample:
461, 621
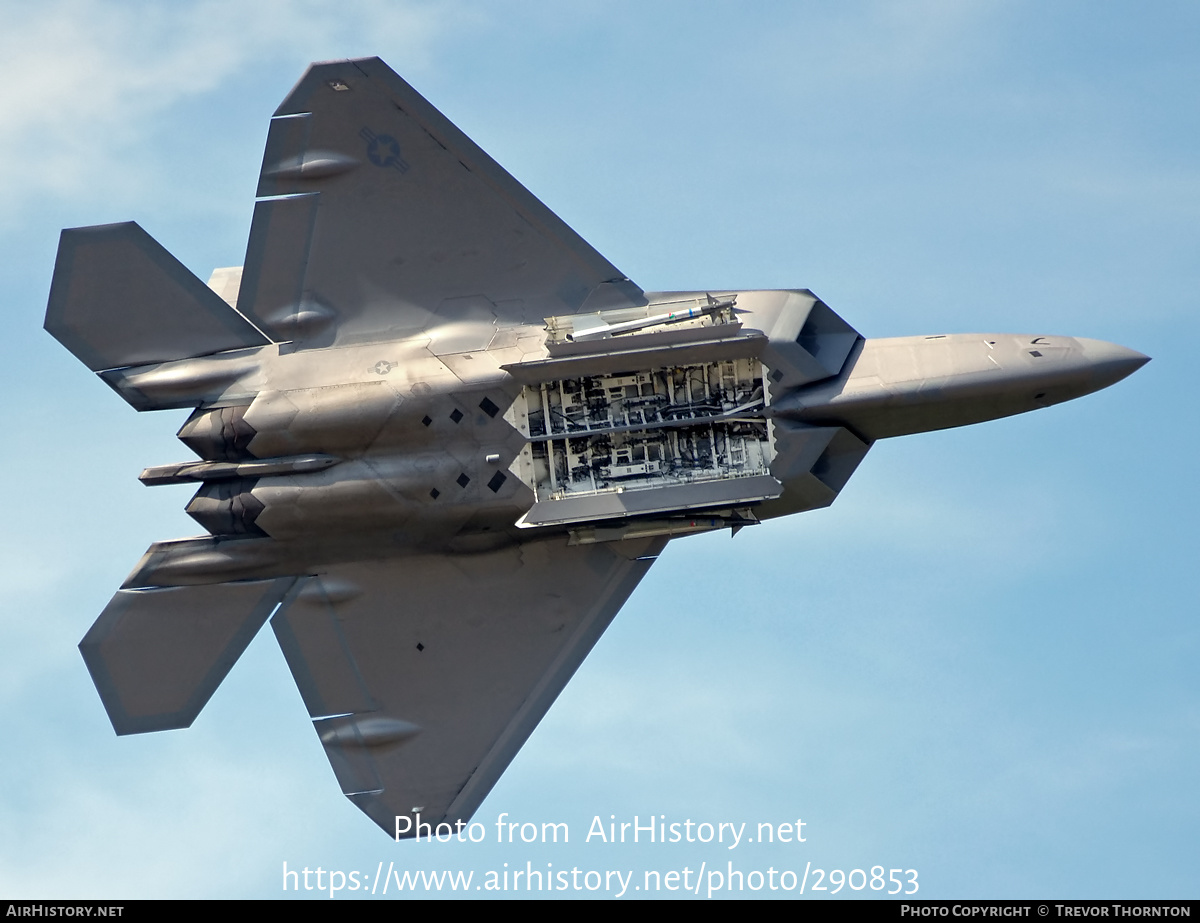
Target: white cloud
138, 823
83, 80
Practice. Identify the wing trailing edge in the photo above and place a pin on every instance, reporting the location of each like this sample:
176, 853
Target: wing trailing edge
425, 674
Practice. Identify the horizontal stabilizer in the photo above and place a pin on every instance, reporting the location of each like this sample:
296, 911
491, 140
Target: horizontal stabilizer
157, 655
118, 299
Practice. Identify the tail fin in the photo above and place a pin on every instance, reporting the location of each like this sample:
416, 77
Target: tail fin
120, 299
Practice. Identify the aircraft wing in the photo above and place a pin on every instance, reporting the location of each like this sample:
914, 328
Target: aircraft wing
424, 675
379, 219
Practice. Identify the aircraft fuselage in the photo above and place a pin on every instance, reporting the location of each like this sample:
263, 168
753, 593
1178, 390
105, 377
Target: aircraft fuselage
712, 411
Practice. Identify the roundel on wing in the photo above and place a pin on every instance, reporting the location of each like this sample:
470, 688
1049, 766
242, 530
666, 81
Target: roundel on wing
384, 151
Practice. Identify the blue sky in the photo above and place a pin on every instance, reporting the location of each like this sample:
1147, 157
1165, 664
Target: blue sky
980, 663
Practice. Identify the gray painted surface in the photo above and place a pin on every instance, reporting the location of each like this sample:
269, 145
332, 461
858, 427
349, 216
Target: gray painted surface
467, 439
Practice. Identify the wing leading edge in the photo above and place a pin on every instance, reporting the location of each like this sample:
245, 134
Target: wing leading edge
424, 675
378, 218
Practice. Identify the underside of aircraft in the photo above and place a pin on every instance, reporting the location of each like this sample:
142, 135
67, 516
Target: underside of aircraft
440, 439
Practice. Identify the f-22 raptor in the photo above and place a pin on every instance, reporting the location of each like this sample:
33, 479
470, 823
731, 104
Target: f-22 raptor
440, 438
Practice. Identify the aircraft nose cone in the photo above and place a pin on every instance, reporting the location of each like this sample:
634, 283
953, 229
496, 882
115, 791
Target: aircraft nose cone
1109, 362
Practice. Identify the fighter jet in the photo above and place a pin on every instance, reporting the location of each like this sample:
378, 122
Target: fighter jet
440, 439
